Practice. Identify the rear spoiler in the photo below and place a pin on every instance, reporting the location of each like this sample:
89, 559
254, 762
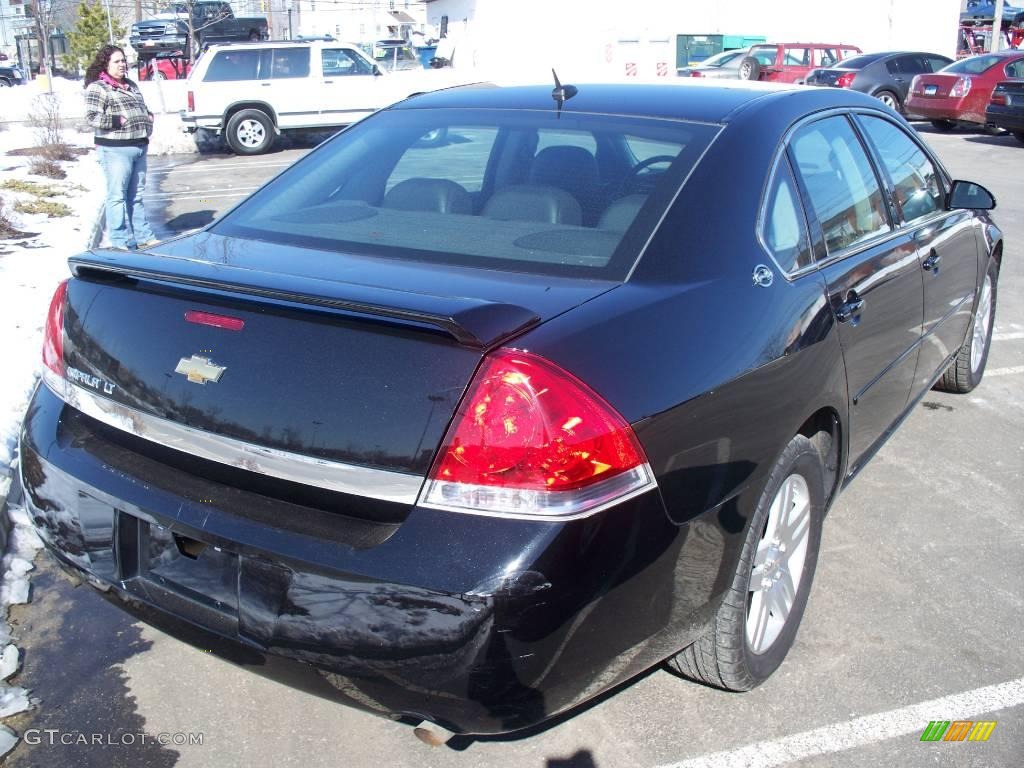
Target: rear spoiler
471, 322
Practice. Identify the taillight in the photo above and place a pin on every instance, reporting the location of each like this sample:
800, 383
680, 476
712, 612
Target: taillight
845, 80
53, 333
191, 101
961, 88
915, 84
1000, 99
530, 440
695, 73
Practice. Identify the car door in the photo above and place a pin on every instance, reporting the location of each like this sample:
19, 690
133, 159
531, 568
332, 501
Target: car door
351, 89
286, 79
796, 63
871, 271
947, 245
902, 70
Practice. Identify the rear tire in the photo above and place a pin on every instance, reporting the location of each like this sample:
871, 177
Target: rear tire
968, 367
249, 132
757, 622
943, 125
891, 100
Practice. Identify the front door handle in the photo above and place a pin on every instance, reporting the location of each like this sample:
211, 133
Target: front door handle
851, 309
931, 264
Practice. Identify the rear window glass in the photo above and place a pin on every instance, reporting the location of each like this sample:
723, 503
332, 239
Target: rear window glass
974, 65
233, 65
521, 191
858, 62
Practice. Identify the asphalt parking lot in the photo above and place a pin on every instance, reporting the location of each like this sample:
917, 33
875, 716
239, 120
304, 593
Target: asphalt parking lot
915, 613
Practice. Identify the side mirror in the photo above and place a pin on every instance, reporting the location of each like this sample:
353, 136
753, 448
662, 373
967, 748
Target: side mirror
967, 194
376, 70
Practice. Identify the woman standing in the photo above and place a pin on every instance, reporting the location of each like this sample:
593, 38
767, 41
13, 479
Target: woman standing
121, 124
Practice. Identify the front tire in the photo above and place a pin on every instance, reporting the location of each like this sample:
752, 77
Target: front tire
968, 367
249, 132
757, 622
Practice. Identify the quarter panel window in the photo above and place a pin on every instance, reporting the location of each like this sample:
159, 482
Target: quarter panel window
232, 65
1015, 68
840, 182
915, 178
785, 232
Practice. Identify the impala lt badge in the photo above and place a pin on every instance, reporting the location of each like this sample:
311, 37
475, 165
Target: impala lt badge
199, 369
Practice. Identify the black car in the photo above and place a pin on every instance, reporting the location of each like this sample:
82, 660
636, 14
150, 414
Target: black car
467, 432
1006, 108
10, 75
886, 76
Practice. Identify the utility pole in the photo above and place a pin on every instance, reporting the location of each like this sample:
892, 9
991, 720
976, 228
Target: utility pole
997, 27
110, 24
138, 10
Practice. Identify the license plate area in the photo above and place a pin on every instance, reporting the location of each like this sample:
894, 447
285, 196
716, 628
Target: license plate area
931, 90
164, 566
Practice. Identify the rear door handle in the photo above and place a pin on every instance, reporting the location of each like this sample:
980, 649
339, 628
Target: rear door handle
931, 264
851, 308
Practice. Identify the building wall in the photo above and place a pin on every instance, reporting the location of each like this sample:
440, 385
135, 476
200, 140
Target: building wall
525, 39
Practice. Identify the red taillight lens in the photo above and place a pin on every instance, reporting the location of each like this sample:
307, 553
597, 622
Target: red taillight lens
53, 338
191, 101
695, 73
961, 88
529, 440
1000, 99
845, 80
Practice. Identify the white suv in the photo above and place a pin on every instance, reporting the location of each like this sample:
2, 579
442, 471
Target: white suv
251, 92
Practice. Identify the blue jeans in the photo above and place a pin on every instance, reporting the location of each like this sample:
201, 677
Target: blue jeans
125, 172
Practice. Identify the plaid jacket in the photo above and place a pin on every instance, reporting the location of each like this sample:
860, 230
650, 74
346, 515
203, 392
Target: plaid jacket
104, 102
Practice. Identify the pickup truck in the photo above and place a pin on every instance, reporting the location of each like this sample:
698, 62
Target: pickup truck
212, 22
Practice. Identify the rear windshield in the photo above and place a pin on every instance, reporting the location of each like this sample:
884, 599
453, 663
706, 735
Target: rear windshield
973, 65
513, 190
858, 62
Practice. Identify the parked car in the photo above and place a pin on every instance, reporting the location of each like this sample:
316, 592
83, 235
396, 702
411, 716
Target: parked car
960, 93
984, 12
790, 62
721, 66
886, 76
1006, 108
10, 75
251, 92
173, 65
472, 433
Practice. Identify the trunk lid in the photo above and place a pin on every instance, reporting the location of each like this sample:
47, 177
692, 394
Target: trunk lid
825, 76
326, 365
934, 86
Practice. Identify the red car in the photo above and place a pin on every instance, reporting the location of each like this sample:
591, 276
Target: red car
960, 92
174, 67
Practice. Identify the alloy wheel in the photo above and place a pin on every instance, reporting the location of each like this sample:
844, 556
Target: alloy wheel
778, 563
982, 321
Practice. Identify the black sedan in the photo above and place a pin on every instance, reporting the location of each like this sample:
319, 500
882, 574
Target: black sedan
886, 76
467, 432
1006, 108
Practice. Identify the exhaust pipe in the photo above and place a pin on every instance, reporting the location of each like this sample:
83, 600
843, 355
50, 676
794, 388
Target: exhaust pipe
432, 734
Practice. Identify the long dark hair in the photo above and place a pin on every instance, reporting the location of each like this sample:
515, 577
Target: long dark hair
100, 62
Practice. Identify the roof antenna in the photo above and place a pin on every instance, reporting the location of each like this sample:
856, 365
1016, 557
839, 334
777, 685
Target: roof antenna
562, 93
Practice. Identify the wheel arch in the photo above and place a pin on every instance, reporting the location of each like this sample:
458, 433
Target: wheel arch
824, 429
262, 106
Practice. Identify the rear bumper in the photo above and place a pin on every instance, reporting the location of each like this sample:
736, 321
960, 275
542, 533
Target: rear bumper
942, 109
1010, 118
479, 624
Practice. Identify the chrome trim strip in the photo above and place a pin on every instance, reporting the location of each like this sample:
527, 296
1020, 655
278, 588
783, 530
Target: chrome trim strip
285, 465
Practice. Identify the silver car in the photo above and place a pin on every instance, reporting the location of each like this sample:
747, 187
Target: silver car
721, 66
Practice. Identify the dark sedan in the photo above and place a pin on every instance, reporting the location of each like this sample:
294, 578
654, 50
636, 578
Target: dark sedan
886, 76
466, 432
1006, 108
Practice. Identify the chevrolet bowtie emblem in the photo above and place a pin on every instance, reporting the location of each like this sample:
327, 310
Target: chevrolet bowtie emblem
199, 369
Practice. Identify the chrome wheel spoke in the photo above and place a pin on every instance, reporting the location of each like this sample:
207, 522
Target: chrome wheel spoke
982, 322
757, 620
